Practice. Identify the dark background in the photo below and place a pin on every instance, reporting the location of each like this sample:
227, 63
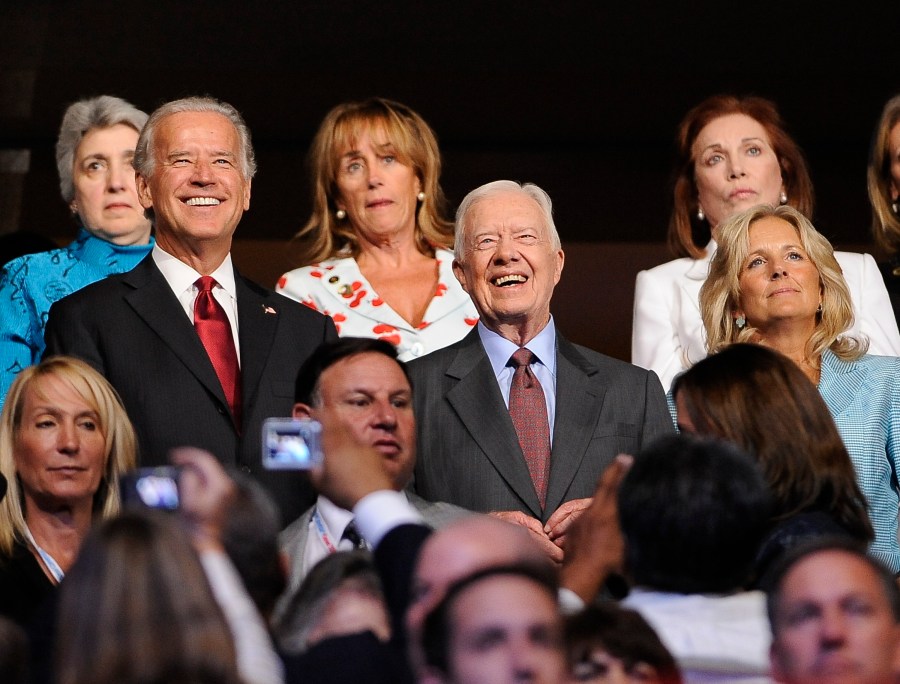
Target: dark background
582, 98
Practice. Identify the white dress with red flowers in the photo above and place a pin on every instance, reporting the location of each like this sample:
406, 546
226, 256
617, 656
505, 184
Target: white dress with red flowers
337, 288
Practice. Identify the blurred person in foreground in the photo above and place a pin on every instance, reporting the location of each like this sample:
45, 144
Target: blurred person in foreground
760, 400
835, 616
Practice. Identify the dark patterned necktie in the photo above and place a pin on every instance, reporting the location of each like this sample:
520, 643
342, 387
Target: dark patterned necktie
214, 331
528, 410
351, 534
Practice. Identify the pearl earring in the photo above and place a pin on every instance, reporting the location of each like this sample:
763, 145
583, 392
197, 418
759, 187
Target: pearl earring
782, 197
700, 215
740, 322
895, 208
421, 197
340, 214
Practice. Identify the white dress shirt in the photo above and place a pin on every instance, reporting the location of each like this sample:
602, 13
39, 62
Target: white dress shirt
181, 279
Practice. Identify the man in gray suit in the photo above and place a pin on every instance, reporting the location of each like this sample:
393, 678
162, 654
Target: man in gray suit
480, 441
357, 384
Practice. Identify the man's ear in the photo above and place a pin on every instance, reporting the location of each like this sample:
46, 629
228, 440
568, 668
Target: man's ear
301, 411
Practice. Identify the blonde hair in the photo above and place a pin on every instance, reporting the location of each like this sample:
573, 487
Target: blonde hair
720, 294
415, 144
120, 448
885, 222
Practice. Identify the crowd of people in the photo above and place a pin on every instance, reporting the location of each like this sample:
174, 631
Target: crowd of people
484, 500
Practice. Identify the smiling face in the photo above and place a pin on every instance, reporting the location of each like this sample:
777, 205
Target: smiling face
198, 192
510, 266
834, 624
735, 167
505, 629
59, 449
368, 394
377, 191
778, 281
105, 196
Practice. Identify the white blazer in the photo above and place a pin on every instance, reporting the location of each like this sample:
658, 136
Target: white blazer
667, 334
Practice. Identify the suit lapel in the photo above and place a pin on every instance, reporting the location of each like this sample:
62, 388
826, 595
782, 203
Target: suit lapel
477, 401
258, 313
154, 302
578, 403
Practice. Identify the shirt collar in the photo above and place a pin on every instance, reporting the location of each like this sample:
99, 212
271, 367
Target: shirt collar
182, 277
333, 516
499, 349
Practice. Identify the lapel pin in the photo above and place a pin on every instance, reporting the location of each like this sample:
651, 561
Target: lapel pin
269, 310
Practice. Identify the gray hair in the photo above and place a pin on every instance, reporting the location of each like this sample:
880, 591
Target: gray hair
82, 117
144, 161
495, 188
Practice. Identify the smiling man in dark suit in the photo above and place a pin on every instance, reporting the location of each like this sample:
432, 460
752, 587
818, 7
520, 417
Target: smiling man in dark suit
514, 419
200, 355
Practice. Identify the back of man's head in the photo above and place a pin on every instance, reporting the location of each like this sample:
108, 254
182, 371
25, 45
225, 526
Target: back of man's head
693, 513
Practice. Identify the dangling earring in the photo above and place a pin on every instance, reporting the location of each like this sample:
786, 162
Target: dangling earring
700, 215
740, 321
340, 214
421, 197
782, 197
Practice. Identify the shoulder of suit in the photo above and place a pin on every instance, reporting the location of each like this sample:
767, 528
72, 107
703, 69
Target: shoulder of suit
607, 364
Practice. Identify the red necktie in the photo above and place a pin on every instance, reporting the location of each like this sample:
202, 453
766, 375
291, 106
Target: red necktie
528, 410
214, 331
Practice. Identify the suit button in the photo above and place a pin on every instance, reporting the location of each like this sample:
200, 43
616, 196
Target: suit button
221, 411
245, 469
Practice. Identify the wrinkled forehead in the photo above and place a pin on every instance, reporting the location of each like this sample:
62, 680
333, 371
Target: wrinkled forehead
190, 129
829, 576
506, 211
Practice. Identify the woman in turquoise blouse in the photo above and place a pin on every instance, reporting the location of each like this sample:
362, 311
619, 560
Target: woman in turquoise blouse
774, 281
93, 155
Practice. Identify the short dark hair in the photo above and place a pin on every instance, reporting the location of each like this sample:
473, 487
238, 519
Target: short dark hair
693, 512
623, 634
846, 545
437, 629
306, 388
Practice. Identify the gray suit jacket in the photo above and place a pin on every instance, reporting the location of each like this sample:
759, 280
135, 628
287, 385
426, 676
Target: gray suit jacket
469, 454
133, 330
294, 537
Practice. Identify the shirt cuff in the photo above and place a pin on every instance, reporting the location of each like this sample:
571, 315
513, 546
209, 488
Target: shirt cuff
569, 602
378, 513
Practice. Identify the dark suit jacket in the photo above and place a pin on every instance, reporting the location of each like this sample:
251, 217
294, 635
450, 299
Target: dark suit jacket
132, 329
469, 454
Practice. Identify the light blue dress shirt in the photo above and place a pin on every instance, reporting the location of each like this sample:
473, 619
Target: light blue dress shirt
543, 346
